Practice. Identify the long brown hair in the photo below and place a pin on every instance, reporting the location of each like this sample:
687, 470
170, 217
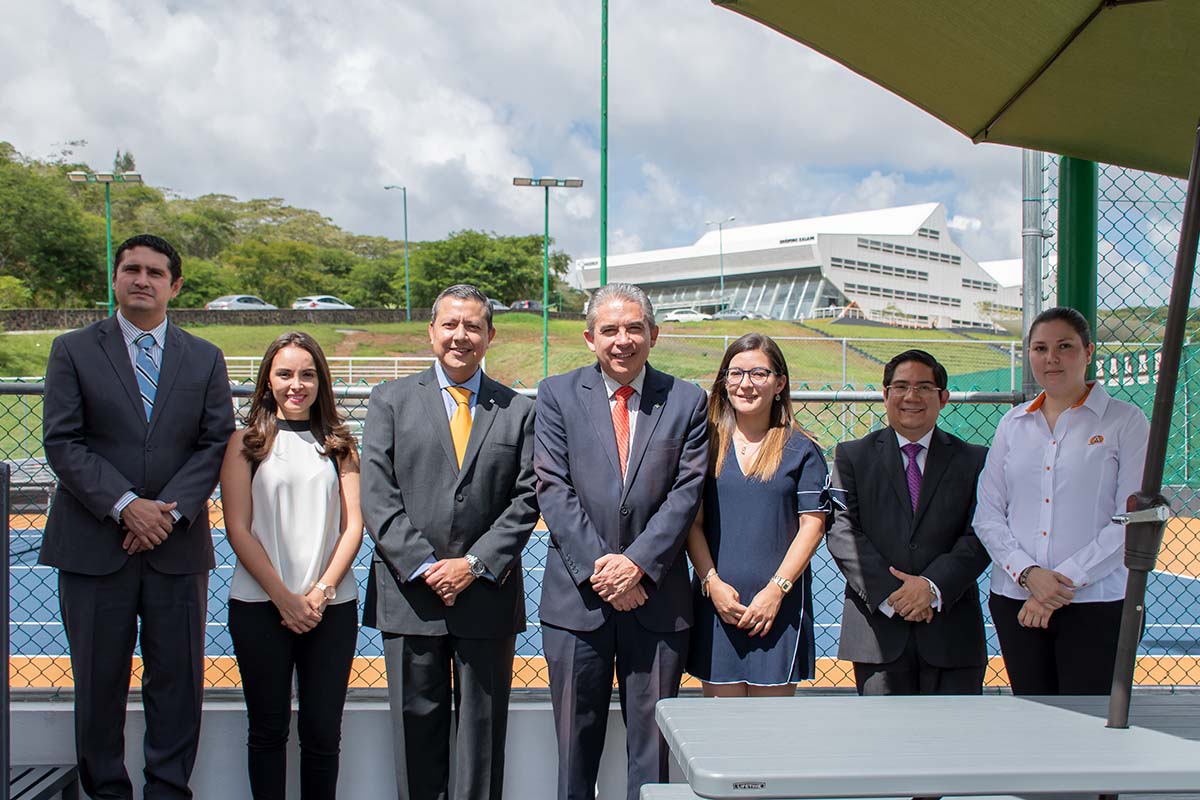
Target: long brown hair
325, 421
722, 419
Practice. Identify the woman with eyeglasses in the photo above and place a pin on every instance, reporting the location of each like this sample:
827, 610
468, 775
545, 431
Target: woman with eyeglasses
1058, 470
765, 501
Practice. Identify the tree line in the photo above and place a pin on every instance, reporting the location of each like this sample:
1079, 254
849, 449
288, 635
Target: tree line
52, 250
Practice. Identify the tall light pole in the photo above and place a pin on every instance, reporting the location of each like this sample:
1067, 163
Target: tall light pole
603, 142
108, 179
721, 249
407, 296
545, 184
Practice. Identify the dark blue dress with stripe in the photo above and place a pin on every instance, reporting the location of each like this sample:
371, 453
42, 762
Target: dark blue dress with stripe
749, 525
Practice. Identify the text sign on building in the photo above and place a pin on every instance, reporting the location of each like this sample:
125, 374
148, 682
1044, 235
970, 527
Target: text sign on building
798, 239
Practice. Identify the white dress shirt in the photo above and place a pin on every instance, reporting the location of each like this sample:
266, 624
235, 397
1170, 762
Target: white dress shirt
1046, 498
632, 402
922, 455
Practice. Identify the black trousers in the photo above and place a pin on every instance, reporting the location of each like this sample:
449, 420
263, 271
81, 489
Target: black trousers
649, 665
268, 655
419, 670
1074, 655
100, 615
910, 674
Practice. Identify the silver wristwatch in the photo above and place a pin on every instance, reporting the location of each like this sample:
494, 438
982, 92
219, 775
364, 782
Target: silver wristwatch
476, 566
330, 592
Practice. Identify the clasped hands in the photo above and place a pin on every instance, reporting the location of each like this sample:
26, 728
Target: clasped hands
300, 613
448, 578
617, 580
913, 600
757, 618
1050, 591
147, 524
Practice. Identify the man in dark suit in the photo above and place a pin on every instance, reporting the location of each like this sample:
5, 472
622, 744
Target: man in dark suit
911, 622
621, 454
448, 497
136, 417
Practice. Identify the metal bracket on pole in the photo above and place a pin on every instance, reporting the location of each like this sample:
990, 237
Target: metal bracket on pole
1145, 522
1155, 514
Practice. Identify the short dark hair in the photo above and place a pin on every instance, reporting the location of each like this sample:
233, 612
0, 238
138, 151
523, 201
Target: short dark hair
463, 291
158, 245
921, 357
1067, 315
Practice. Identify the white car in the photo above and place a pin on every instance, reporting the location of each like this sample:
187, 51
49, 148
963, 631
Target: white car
320, 301
685, 315
238, 302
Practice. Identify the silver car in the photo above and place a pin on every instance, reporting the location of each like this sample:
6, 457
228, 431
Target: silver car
239, 302
320, 301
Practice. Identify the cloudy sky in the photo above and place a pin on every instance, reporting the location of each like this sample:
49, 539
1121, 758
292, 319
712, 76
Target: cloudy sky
321, 104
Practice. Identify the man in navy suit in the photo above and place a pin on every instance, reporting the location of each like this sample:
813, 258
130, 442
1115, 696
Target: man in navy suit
135, 421
620, 455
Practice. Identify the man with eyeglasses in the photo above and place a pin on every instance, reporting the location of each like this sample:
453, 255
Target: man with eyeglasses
911, 622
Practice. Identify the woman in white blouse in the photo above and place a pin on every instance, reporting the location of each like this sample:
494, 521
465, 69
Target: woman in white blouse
1058, 469
289, 491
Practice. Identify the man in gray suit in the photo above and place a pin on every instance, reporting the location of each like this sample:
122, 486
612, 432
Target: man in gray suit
621, 454
912, 622
448, 497
135, 421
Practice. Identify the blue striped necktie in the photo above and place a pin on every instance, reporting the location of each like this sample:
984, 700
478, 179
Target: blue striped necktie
146, 371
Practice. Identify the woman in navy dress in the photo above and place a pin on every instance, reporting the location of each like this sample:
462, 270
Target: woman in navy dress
765, 501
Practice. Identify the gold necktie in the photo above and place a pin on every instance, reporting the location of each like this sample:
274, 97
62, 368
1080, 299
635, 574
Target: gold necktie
460, 423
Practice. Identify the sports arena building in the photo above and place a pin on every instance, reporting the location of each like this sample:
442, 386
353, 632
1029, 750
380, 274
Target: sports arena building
893, 265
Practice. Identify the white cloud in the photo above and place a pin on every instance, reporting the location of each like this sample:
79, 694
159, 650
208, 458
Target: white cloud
710, 115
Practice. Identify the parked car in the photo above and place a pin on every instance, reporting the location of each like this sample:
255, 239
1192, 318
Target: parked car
239, 302
525, 305
320, 301
685, 315
497, 306
738, 313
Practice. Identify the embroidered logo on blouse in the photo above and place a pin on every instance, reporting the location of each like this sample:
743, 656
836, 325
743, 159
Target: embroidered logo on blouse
1097, 439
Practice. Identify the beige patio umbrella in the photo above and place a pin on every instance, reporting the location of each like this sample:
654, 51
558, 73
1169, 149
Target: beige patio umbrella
1106, 80
1116, 81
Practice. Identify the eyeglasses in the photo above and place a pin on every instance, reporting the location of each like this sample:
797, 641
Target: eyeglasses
758, 375
922, 389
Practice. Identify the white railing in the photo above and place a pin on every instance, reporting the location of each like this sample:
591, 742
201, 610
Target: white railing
347, 369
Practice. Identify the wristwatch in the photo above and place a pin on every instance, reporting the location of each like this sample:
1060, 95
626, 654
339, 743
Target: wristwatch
330, 592
476, 566
782, 582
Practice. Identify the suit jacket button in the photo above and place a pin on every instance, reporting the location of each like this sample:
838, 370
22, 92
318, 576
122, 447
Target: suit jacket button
458, 497
624, 511
622, 548
912, 546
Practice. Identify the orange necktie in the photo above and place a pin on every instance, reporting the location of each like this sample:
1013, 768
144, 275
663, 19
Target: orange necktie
620, 418
460, 423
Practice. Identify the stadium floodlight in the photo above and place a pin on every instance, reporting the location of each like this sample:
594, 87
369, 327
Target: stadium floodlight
108, 179
545, 185
721, 249
407, 296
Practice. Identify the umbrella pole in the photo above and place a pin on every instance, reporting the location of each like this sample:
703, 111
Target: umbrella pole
1144, 530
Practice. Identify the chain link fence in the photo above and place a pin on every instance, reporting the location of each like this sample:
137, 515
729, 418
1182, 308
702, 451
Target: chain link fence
830, 413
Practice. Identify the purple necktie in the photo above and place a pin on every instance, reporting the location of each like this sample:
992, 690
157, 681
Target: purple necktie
913, 472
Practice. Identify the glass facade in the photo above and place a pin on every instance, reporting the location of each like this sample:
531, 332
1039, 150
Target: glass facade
779, 295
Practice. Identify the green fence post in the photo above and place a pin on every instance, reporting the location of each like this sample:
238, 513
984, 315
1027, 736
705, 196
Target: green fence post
1078, 215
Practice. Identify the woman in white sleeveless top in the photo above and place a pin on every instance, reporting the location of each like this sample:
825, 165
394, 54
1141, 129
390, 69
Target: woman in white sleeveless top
289, 490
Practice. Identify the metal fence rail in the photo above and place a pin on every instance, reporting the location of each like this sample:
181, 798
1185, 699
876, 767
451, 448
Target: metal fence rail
39, 650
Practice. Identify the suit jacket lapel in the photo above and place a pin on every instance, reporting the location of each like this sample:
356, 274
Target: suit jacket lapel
893, 467
485, 415
168, 370
937, 460
431, 398
653, 397
113, 345
593, 394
